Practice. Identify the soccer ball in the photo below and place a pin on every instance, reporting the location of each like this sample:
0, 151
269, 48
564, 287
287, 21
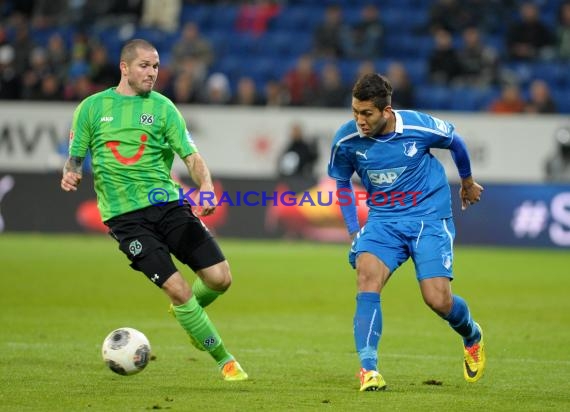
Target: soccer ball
126, 351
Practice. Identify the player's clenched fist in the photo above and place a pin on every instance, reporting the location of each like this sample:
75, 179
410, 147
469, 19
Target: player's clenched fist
70, 181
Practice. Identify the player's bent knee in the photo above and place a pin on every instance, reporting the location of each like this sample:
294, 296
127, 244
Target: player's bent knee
177, 289
217, 277
439, 304
371, 273
436, 293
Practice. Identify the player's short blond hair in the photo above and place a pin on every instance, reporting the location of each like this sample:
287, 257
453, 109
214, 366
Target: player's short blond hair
129, 50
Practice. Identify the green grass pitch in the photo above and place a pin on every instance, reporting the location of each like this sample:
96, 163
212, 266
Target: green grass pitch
288, 319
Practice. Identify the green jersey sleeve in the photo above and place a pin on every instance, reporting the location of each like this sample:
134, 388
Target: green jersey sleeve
80, 133
177, 135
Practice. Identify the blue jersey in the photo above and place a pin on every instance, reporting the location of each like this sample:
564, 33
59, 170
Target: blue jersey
402, 178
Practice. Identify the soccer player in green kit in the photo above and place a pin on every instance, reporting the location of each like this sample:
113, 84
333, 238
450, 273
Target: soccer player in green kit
133, 133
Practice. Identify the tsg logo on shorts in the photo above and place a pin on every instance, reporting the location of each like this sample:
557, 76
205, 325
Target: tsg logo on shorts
385, 177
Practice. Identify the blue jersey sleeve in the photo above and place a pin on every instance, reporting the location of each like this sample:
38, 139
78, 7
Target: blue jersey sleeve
340, 166
348, 208
460, 156
439, 132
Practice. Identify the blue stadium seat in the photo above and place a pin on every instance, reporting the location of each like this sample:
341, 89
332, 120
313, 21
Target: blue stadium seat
264, 69
224, 17
555, 74
562, 99
433, 98
403, 20
294, 18
417, 70
284, 43
199, 14
470, 99
404, 46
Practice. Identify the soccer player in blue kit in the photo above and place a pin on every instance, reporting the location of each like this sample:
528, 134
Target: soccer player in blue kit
409, 215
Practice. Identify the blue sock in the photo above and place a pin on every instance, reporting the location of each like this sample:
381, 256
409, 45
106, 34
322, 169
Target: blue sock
460, 320
368, 328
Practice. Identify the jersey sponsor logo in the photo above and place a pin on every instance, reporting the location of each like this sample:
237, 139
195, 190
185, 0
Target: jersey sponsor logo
410, 149
385, 177
135, 247
114, 146
147, 119
107, 119
363, 154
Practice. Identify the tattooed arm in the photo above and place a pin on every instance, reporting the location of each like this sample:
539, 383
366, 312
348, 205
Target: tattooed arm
72, 173
201, 176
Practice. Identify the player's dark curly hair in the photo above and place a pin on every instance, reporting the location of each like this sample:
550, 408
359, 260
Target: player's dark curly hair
373, 87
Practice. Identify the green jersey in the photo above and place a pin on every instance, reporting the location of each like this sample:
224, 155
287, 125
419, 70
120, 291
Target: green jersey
132, 141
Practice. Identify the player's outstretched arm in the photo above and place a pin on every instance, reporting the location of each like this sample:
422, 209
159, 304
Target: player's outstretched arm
200, 174
72, 173
469, 192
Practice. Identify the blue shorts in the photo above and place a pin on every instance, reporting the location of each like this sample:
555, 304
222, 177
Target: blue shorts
428, 242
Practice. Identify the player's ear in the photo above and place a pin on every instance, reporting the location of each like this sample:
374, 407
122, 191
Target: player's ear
123, 67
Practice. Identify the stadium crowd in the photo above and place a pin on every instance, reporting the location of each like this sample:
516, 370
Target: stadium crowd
485, 55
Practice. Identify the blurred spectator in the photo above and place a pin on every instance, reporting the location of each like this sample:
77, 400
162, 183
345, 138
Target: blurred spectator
510, 101
403, 90
364, 39
479, 63
49, 13
275, 94
563, 31
449, 15
332, 91
105, 14
79, 46
488, 16
9, 77
529, 38
58, 55
184, 89
299, 157
365, 67
32, 77
160, 14
19, 10
302, 82
255, 16
558, 166
328, 35
51, 88
102, 72
78, 88
246, 93
191, 74
192, 44
444, 64
217, 90
540, 100
23, 46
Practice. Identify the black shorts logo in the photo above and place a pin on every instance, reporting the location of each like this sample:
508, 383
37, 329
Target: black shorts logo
135, 247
